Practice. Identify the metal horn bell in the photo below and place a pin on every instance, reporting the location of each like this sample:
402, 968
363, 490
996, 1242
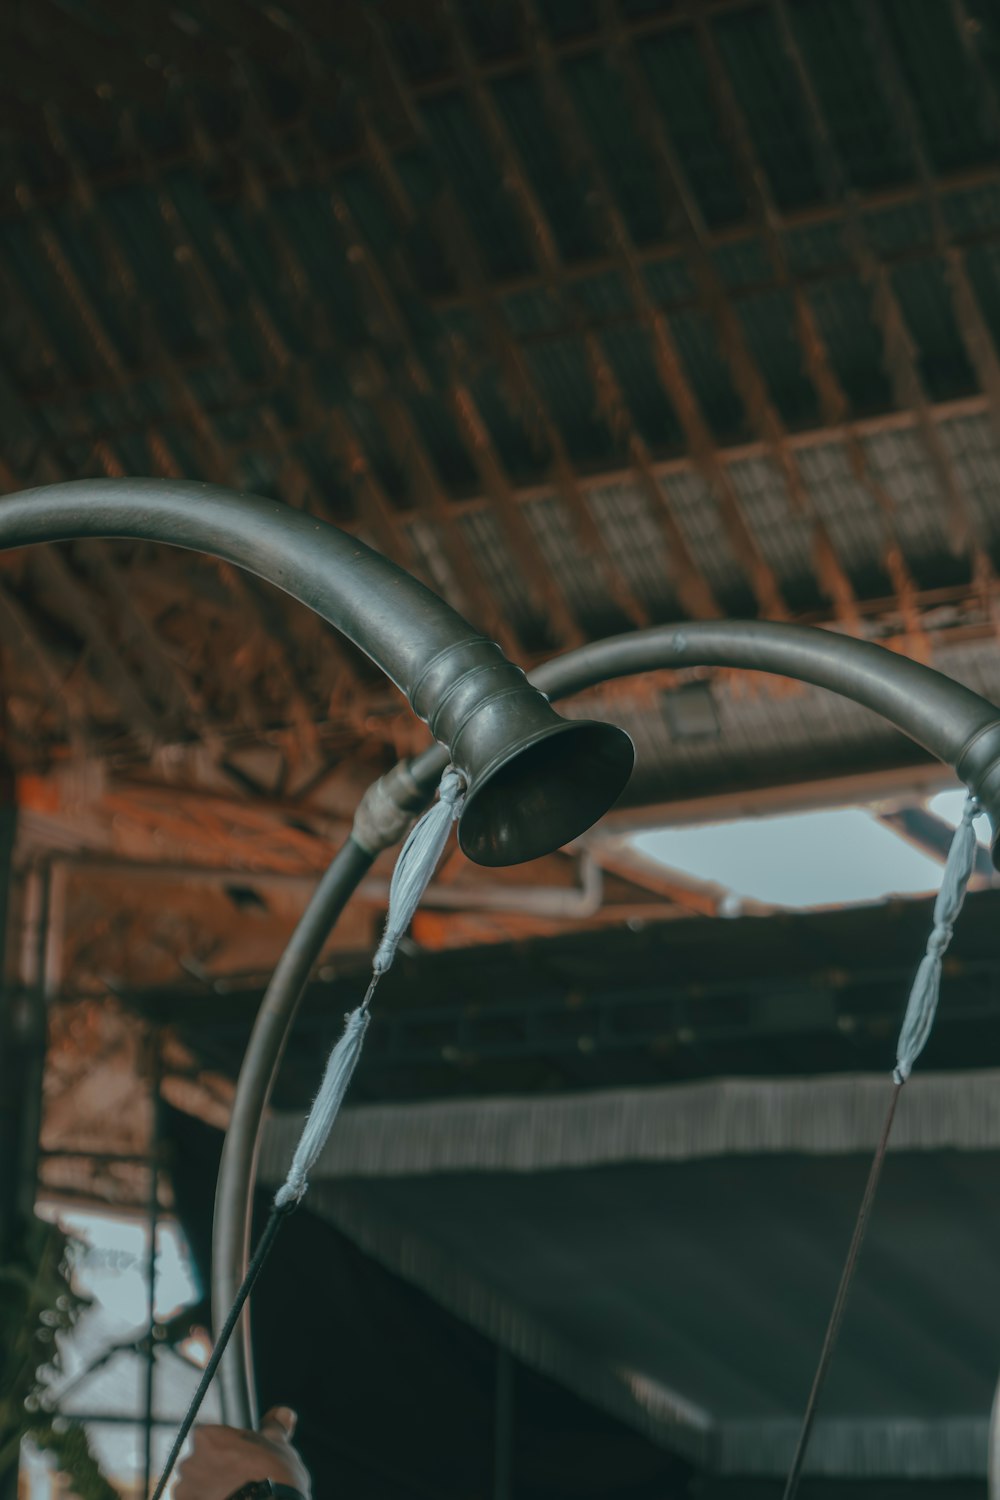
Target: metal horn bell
535, 780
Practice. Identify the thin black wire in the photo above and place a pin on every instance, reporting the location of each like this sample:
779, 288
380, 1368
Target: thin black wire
840, 1301
264, 1245
277, 1216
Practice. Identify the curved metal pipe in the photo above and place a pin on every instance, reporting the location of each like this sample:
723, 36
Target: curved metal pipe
262, 1059
956, 725
382, 818
534, 780
385, 612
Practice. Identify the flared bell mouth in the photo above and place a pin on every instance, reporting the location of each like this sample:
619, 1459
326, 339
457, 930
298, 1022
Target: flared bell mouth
545, 792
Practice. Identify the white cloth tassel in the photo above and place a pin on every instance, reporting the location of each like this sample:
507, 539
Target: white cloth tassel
339, 1070
418, 859
922, 1005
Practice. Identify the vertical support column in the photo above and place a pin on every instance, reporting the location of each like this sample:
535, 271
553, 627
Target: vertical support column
13, 1019
503, 1427
31, 990
153, 1224
15, 1046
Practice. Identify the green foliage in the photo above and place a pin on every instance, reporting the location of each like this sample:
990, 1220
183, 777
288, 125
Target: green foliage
37, 1304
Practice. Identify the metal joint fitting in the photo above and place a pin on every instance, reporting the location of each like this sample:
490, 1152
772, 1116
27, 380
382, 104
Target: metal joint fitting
387, 809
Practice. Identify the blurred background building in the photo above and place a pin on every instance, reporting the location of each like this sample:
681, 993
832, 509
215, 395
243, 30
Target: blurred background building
592, 314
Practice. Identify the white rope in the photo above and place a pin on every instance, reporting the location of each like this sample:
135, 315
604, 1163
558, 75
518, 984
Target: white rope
923, 1001
418, 859
339, 1070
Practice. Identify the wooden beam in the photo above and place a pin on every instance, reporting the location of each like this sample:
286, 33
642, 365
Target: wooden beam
833, 399
523, 542
969, 319
192, 361
698, 897
184, 706
472, 583
528, 395
900, 359
589, 43
273, 35
457, 238
659, 252
748, 378
833, 578
294, 481
70, 598
476, 438
346, 439
677, 388
180, 693
19, 633
917, 781
692, 587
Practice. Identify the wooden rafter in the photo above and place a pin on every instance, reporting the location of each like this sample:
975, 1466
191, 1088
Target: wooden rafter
469, 423
897, 342
271, 37
969, 320
103, 340
223, 465
409, 447
663, 251
458, 239
833, 399
677, 387
693, 589
577, 271
747, 376
18, 632
50, 565
344, 438
475, 436
176, 691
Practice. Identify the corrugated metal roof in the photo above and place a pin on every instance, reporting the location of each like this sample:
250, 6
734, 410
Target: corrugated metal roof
367, 227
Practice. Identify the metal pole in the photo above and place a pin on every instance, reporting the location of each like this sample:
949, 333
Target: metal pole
503, 1427
152, 1223
36, 992
15, 1104
13, 1018
957, 726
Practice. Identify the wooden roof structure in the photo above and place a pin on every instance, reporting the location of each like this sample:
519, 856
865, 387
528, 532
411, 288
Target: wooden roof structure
592, 314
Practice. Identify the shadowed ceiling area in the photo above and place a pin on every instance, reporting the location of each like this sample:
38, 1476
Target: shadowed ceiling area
592, 315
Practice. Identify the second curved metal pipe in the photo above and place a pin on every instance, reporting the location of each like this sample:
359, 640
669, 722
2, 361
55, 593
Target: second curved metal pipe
957, 726
953, 723
233, 1206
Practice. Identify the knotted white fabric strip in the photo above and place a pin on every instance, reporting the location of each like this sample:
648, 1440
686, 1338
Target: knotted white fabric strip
922, 1005
418, 859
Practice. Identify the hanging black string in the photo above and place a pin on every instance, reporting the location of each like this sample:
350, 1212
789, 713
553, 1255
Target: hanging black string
921, 1009
339, 1070
418, 859
840, 1301
276, 1218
